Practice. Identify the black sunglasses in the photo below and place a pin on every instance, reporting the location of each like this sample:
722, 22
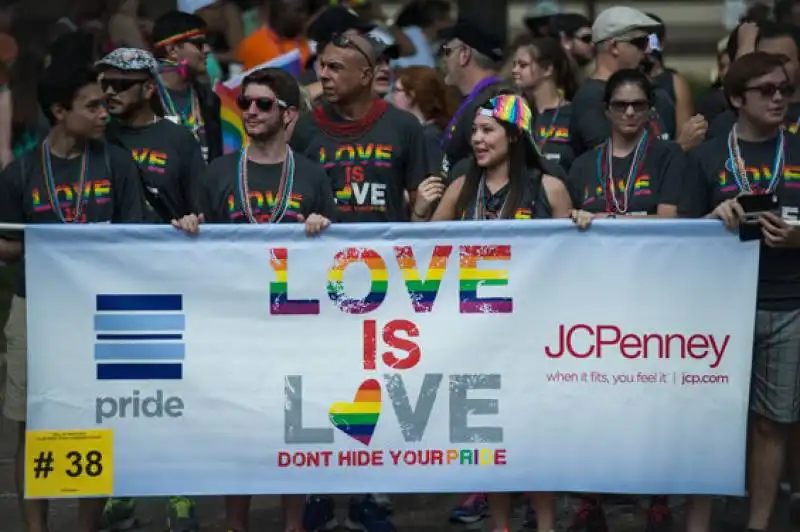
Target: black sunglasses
586, 38
262, 104
200, 42
619, 106
343, 41
769, 90
119, 85
641, 43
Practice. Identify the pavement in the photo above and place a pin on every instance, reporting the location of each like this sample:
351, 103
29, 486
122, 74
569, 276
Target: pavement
413, 513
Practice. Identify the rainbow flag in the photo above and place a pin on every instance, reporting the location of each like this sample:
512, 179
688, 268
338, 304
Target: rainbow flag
233, 135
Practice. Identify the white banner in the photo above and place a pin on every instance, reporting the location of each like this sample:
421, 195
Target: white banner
389, 358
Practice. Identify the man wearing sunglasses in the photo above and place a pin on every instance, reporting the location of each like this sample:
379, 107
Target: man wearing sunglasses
620, 35
471, 59
575, 33
179, 42
168, 157
373, 152
759, 157
773, 38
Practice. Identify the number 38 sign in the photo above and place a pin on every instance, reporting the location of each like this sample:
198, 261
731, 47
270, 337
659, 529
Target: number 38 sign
69, 463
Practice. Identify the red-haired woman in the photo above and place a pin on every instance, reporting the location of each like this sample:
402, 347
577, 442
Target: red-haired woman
421, 91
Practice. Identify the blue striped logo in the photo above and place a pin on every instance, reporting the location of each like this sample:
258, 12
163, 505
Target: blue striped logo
139, 336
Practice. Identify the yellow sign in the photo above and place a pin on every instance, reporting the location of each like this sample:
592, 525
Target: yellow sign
69, 463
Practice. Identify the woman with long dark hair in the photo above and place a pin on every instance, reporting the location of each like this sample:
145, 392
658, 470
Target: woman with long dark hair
545, 76
632, 174
505, 180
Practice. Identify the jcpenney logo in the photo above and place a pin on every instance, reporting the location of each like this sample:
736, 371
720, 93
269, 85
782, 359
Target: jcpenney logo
595, 341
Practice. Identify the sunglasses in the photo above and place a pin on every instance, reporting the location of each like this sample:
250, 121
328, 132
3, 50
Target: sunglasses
119, 85
343, 41
585, 38
264, 105
641, 43
769, 90
199, 42
620, 106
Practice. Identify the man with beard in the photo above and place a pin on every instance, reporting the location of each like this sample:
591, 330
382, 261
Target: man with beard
620, 35
471, 60
179, 41
575, 33
265, 183
372, 151
40, 188
773, 38
168, 157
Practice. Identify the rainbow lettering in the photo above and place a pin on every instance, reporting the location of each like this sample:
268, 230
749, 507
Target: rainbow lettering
363, 154
280, 304
557, 134
523, 214
791, 176
359, 418
471, 278
380, 280
261, 203
423, 292
641, 186
154, 161
65, 194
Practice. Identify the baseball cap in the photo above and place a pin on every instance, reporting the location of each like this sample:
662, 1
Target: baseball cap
622, 21
336, 19
129, 60
476, 37
569, 23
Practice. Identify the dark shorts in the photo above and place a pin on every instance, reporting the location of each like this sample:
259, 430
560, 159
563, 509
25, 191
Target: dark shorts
775, 387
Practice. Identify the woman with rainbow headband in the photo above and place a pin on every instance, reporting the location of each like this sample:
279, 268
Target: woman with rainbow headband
505, 178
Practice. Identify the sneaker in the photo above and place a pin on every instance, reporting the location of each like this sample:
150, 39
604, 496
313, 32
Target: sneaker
181, 515
319, 514
472, 510
590, 517
118, 515
659, 516
367, 516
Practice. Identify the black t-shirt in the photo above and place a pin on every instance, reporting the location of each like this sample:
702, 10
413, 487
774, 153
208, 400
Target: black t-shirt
709, 182
187, 118
551, 133
721, 125
369, 172
589, 126
112, 191
666, 82
534, 203
433, 146
457, 143
169, 159
221, 199
659, 179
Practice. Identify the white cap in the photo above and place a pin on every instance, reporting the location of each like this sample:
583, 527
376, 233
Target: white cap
619, 21
193, 6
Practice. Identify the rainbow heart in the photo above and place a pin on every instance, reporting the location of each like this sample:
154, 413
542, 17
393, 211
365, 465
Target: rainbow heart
358, 419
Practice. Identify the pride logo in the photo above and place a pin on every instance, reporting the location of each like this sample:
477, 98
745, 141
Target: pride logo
359, 418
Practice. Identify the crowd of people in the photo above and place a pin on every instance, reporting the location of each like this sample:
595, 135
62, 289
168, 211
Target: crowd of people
428, 117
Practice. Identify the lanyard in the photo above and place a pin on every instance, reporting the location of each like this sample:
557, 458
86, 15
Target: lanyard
451, 126
282, 196
739, 169
605, 173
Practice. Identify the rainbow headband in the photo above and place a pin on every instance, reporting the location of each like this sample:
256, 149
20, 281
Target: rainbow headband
511, 109
185, 36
